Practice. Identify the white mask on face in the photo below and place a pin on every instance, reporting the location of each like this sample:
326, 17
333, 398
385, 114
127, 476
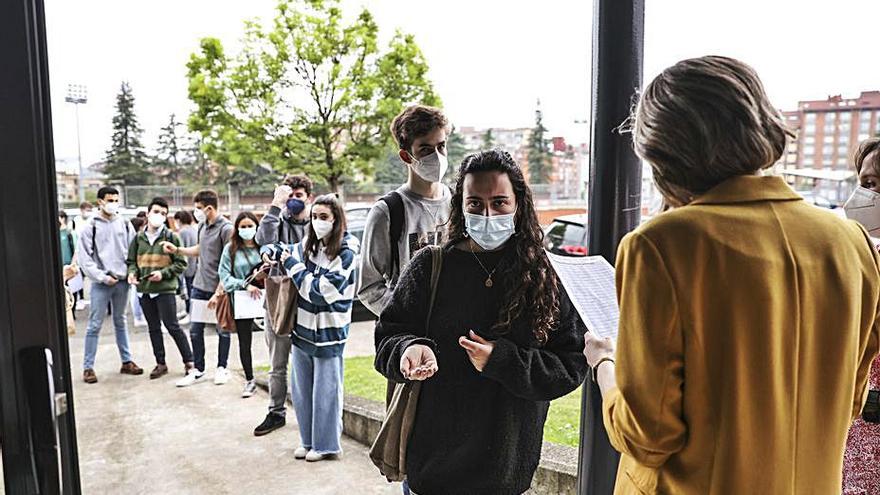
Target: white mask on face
490, 232
431, 168
864, 207
199, 215
156, 220
111, 208
322, 228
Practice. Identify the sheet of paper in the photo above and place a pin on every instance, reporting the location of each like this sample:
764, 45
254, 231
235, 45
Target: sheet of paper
75, 284
246, 307
201, 313
589, 282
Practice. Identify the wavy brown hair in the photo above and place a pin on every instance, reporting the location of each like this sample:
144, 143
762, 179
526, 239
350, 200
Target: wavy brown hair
525, 269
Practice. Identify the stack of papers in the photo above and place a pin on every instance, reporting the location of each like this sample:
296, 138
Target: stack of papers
589, 282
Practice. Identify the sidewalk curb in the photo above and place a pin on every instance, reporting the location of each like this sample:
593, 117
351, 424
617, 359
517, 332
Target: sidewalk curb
361, 419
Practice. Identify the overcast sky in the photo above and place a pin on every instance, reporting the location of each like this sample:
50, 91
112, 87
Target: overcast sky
490, 60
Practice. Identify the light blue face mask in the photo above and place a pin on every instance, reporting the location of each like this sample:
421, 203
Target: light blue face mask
247, 233
490, 232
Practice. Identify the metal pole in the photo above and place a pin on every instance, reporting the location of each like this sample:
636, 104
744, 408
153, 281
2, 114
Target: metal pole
615, 193
82, 190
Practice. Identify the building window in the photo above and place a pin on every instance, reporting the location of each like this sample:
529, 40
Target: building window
845, 116
809, 150
810, 129
828, 139
811, 118
809, 139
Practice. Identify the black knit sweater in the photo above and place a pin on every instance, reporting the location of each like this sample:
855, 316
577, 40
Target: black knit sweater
476, 433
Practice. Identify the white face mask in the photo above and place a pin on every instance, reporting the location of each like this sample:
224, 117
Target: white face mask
199, 214
156, 220
490, 232
431, 168
322, 228
864, 207
111, 208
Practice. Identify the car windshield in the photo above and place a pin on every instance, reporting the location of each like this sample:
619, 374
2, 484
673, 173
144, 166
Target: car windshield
566, 238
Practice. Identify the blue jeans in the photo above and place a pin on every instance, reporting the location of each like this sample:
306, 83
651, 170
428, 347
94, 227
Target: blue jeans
317, 400
101, 296
197, 336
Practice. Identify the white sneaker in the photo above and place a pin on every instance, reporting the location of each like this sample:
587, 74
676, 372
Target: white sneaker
300, 453
184, 320
313, 456
250, 388
140, 322
221, 376
80, 305
192, 377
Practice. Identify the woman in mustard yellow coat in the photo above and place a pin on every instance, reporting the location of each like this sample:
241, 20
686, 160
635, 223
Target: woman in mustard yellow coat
747, 316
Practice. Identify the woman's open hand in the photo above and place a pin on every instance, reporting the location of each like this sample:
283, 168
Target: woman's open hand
418, 362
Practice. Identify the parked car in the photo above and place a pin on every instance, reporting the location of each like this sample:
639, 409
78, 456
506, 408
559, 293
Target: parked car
567, 236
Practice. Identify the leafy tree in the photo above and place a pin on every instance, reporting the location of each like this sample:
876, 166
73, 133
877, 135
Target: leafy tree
488, 140
170, 162
126, 159
311, 94
538, 156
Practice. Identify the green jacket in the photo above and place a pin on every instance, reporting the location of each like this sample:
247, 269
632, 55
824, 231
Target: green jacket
145, 258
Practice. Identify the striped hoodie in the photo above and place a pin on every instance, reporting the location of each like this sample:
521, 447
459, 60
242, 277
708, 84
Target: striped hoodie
326, 290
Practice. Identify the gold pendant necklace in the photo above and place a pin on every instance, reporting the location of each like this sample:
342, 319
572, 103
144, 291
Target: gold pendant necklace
489, 283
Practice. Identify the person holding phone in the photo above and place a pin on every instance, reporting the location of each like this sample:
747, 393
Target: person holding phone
322, 267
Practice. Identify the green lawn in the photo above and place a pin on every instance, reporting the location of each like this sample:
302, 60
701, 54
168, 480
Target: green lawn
563, 420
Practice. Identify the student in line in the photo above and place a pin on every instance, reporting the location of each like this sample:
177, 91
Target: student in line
421, 205
323, 269
413, 216
286, 222
237, 263
861, 471
188, 238
156, 276
213, 233
68, 241
747, 316
503, 339
103, 249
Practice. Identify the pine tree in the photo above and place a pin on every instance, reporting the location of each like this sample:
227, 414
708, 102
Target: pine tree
456, 150
488, 140
538, 153
170, 161
126, 159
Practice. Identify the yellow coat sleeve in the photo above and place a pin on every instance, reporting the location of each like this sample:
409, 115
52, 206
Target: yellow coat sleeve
643, 415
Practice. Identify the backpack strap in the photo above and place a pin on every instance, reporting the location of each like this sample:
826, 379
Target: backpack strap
395, 228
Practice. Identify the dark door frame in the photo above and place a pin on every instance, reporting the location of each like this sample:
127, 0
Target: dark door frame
615, 193
39, 447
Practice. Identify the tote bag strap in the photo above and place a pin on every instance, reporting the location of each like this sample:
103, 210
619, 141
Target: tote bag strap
436, 266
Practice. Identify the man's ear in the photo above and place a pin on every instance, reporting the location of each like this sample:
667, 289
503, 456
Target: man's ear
405, 156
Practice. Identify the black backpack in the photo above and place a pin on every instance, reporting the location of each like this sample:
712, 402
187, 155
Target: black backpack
396, 211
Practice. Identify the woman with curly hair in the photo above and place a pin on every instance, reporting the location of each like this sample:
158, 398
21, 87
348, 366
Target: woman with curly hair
502, 341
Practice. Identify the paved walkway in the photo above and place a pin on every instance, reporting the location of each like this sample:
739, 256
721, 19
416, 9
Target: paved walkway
138, 435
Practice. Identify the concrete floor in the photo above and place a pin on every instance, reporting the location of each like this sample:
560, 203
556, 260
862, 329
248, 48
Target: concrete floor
138, 435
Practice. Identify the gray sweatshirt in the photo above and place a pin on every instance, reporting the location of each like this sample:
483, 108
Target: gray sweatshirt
274, 229
105, 248
189, 238
424, 224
